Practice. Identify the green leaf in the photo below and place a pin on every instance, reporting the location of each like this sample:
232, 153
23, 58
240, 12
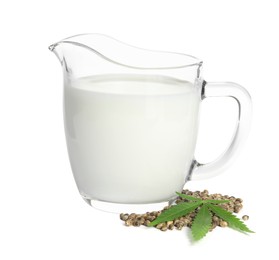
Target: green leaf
201, 223
184, 196
175, 211
217, 201
232, 220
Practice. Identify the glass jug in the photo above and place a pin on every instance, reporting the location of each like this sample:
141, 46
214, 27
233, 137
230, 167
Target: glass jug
131, 121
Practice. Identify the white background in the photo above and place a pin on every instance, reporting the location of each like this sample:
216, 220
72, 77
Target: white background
42, 214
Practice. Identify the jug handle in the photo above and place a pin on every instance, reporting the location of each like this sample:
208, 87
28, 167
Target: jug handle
240, 94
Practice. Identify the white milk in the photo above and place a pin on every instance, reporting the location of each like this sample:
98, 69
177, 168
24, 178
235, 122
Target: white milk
131, 139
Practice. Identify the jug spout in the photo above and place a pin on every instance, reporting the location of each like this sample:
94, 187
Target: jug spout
75, 57
97, 54
56, 48
51, 47
85, 55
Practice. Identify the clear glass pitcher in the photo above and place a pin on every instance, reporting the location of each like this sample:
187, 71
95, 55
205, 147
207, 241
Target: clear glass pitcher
131, 121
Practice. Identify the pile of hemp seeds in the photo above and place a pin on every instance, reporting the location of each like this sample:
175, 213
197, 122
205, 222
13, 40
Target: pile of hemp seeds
234, 205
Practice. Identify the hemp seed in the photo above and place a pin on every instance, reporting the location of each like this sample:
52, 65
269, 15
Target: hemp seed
223, 224
245, 217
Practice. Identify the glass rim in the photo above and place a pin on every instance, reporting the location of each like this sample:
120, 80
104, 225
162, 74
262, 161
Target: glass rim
190, 60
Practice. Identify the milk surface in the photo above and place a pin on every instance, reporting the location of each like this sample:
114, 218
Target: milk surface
130, 138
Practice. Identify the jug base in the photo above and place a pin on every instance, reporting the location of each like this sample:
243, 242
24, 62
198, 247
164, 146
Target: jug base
126, 208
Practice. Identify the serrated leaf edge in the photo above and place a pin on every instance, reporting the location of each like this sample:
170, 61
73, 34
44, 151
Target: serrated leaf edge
230, 219
216, 201
184, 209
204, 229
184, 196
